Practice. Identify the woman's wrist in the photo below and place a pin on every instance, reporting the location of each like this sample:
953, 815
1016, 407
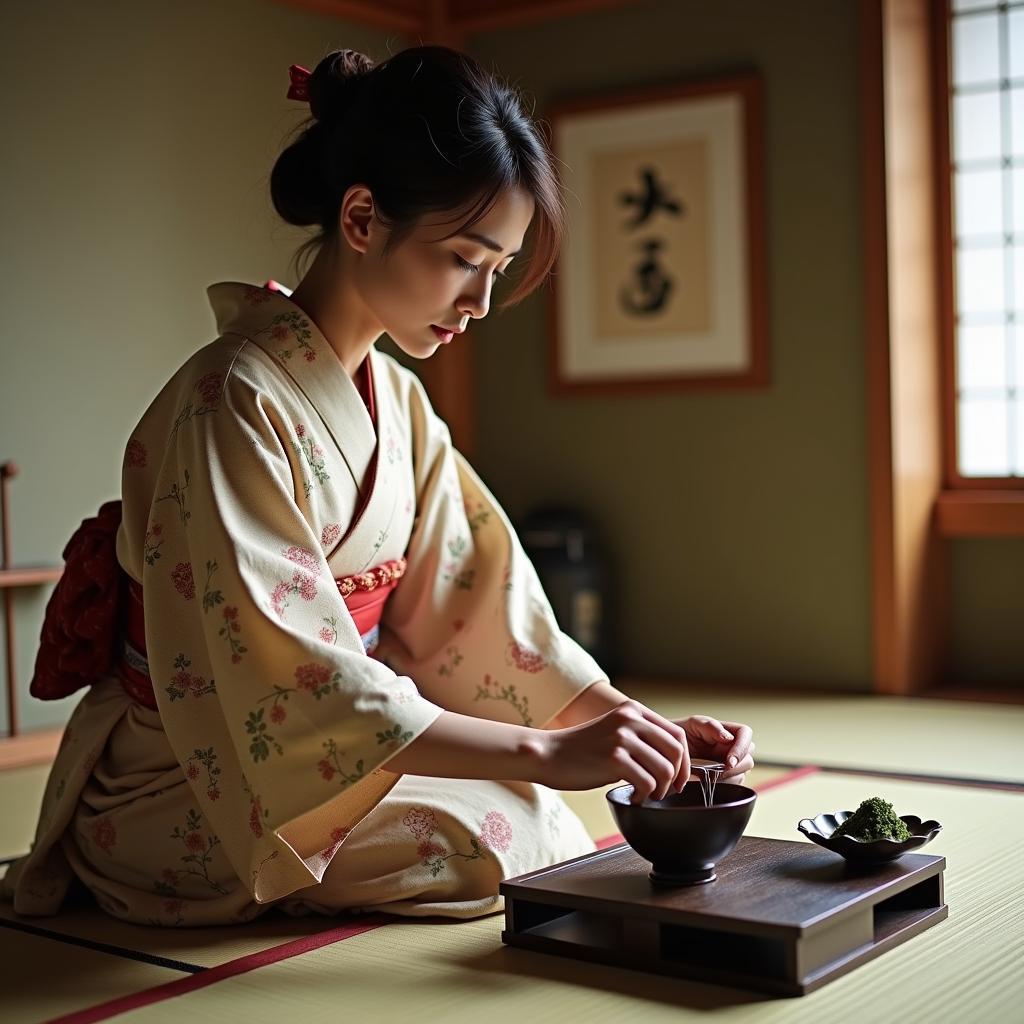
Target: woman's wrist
535, 752
596, 700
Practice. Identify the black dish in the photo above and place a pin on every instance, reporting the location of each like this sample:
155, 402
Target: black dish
820, 828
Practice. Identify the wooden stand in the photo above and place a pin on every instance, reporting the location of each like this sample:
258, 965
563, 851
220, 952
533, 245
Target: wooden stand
10, 577
783, 917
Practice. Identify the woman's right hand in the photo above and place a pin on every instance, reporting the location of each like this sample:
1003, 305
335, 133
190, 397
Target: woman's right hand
630, 744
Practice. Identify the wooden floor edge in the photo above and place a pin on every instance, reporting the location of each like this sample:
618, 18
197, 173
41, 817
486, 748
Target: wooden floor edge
880, 773
30, 748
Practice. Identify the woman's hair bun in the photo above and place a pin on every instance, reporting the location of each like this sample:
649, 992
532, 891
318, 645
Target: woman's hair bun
333, 80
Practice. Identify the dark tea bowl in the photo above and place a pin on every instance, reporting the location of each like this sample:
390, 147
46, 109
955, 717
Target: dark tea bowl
682, 838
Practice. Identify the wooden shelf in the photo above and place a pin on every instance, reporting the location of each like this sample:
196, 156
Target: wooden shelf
38, 747
988, 513
30, 575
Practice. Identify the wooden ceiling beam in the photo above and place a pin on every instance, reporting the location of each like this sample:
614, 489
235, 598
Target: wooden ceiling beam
432, 19
390, 15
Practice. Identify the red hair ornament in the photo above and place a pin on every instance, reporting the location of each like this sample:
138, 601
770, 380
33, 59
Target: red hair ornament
299, 89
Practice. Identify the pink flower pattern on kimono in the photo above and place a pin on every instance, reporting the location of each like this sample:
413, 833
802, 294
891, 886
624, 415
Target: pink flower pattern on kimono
317, 679
523, 658
496, 831
493, 690
420, 821
208, 759
151, 548
295, 325
495, 834
179, 495
338, 835
184, 584
314, 456
256, 810
173, 908
428, 849
301, 556
330, 765
392, 450
302, 584
229, 629
329, 633
200, 849
135, 454
256, 818
330, 534
209, 388
104, 834
184, 684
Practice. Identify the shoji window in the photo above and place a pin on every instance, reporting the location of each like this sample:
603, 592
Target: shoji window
986, 98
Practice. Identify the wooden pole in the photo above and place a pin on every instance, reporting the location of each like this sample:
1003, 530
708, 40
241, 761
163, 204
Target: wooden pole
7, 471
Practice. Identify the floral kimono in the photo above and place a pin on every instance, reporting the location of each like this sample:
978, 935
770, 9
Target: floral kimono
255, 480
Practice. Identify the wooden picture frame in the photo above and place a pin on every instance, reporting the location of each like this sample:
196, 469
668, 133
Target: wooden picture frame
661, 280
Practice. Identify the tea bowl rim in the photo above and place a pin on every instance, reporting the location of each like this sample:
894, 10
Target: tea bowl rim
615, 796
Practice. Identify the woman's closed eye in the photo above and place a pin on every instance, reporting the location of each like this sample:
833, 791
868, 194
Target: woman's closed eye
472, 268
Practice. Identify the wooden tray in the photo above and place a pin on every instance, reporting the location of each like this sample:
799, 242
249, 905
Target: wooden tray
783, 917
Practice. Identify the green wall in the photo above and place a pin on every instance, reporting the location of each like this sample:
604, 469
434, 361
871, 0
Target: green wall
987, 584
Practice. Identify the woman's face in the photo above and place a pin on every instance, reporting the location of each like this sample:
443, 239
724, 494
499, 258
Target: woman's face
426, 281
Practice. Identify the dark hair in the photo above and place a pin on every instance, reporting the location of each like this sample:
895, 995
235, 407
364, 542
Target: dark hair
426, 130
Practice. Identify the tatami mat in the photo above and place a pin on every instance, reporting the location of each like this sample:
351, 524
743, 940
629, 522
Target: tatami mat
910, 736
41, 979
461, 970
964, 969
21, 794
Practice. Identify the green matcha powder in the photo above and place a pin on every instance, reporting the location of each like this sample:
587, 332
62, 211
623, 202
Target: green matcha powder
874, 819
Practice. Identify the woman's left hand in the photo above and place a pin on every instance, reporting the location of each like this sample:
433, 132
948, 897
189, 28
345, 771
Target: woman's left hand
731, 743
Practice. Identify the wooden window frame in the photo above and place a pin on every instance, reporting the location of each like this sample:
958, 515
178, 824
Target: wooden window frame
914, 508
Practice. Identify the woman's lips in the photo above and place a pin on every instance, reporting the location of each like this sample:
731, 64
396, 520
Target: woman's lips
445, 336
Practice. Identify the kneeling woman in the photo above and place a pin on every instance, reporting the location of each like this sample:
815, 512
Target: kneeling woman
323, 674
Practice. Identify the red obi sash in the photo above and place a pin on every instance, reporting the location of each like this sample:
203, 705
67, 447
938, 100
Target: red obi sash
94, 622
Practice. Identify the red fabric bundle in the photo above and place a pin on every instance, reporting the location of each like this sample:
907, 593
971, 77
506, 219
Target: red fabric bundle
78, 642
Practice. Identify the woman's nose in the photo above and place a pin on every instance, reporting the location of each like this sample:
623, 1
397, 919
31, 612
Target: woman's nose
477, 303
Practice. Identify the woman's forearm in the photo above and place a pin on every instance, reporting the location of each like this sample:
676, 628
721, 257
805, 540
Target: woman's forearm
596, 700
466, 747
458, 746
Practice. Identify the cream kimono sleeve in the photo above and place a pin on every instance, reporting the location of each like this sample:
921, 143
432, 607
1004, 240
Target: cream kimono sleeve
470, 621
284, 727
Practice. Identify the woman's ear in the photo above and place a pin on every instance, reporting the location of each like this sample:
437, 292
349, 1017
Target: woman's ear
357, 218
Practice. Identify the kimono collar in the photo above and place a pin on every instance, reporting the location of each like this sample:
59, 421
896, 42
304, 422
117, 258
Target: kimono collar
268, 317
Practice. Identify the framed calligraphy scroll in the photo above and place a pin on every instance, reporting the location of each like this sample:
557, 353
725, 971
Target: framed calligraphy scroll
660, 283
